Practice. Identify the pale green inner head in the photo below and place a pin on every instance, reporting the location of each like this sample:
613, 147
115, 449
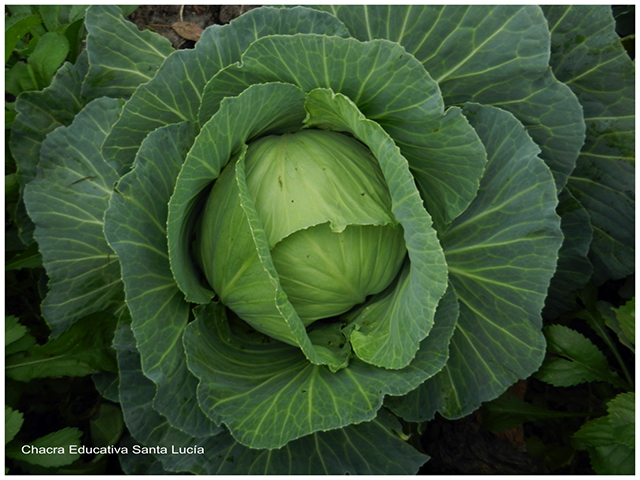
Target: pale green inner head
326, 211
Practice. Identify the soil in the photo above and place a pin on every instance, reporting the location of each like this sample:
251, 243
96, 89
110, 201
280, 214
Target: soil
160, 19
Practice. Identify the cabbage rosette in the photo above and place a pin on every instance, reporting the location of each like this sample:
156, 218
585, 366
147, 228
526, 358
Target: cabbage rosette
324, 222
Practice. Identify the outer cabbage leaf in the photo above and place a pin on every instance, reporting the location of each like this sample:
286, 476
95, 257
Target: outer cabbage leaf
501, 254
495, 55
135, 226
175, 93
268, 393
111, 73
348, 450
39, 113
67, 201
574, 268
587, 55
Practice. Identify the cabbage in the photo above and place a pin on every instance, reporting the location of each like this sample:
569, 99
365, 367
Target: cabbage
318, 226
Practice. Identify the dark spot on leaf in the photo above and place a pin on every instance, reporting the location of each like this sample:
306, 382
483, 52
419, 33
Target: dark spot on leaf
537, 233
83, 179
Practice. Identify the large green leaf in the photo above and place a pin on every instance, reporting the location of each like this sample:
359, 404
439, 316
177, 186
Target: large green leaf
281, 110
372, 448
175, 93
501, 254
494, 55
135, 226
137, 392
606, 189
39, 113
587, 55
121, 57
391, 341
66, 202
388, 86
268, 393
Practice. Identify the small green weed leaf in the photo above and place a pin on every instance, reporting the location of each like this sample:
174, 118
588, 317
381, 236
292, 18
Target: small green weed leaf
610, 440
62, 438
13, 330
16, 31
12, 422
626, 315
50, 52
581, 360
29, 258
20, 78
612, 319
507, 411
50, 16
16, 336
107, 428
622, 417
9, 117
75, 34
76, 12
83, 349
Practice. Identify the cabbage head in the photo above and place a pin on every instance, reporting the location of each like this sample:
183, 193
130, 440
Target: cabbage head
322, 224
